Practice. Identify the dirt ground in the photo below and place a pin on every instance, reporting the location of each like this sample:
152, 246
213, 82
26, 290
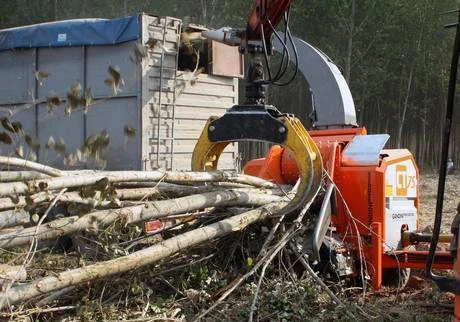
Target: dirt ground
428, 192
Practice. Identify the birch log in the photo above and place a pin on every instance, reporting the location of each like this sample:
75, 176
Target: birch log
130, 215
9, 176
12, 218
26, 164
73, 181
8, 203
150, 255
10, 273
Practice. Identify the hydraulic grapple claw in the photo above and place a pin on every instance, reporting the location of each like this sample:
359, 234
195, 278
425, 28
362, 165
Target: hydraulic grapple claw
259, 124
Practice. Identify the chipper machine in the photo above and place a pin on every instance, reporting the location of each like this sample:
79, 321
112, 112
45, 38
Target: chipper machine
362, 198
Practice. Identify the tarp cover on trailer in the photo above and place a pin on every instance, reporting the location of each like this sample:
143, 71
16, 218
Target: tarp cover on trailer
77, 32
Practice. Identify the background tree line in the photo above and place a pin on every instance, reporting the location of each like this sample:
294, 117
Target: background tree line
395, 54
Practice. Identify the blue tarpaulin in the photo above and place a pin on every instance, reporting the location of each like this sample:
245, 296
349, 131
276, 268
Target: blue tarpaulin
76, 32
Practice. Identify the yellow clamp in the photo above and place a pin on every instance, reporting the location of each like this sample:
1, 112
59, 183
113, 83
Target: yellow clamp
206, 156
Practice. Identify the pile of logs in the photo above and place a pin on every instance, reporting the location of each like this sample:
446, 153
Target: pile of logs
40, 204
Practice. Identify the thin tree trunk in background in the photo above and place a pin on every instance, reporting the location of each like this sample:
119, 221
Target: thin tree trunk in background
423, 141
402, 117
204, 11
350, 42
212, 16
55, 10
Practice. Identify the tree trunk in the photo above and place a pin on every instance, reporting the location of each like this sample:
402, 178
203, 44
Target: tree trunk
204, 10
55, 10
351, 32
402, 117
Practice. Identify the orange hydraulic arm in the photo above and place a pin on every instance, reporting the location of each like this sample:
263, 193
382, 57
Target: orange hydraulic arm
266, 13
254, 120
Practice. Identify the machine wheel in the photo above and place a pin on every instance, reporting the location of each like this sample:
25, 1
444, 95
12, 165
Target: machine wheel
396, 277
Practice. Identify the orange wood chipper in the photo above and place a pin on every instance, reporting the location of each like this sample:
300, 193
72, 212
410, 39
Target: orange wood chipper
364, 199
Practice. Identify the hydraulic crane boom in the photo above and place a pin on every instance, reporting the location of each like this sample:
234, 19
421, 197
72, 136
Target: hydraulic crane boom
265, 13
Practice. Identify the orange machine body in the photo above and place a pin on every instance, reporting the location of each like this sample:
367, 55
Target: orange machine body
375, 204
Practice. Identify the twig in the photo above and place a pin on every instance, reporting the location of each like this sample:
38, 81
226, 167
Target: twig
164, 280
99, 304
175, 268
259, 284
38, 310
270, 236
54, 296
262, 252
34, 243
296, 226
318, 280
267, 257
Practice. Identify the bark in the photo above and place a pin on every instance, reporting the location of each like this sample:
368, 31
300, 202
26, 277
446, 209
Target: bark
12, 218
11, 203
15, 188
26, 164
137, 259
10, 176
130, 215
10, 273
